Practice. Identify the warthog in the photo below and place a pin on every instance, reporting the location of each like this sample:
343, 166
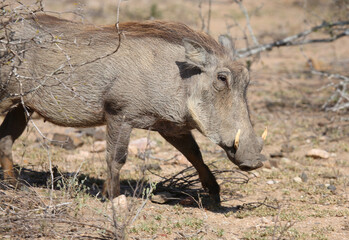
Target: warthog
155, 75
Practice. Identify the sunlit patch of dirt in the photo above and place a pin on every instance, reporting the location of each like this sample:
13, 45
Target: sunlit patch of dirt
283, 96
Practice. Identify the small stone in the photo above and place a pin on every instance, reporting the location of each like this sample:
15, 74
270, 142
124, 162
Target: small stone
162, 197
330, 175
68, 130
285, 160
66, 142
187, 201
89, 132
140, 145
331, 187
35, 115
286, 148
77, 141
270, 182
120, 203
276, 155
265, 220
318, 65
267, 170
318, 153
322, 123
153, 166
99, 135
267, 164
304, 177
297, 179
323, 139
99, 146
183, 160
274, 163
255, 174
82, 155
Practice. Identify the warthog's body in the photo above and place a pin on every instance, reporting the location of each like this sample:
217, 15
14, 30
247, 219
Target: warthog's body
163, 77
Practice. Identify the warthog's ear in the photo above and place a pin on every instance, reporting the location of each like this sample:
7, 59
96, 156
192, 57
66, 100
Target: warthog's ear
227, 42
195, 54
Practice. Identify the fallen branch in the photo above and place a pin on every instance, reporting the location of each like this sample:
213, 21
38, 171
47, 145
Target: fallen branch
253, 205
296, 39
187, 180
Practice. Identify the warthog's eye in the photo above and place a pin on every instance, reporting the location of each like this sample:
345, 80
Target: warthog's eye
222, 77
222, 80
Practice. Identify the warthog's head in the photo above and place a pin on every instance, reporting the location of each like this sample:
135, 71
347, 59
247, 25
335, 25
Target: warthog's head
218, 106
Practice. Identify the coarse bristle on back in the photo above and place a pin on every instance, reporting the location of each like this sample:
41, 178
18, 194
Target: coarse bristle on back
172, 32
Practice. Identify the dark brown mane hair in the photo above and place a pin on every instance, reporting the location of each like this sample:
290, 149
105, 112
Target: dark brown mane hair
173, 32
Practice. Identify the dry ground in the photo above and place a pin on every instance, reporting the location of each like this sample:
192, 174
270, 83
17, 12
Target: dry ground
283, 96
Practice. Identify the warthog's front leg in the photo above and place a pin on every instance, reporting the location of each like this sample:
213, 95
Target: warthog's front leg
11, 128
118, 137
187, 145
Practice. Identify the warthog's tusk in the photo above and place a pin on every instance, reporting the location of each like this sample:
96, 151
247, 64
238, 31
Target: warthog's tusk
237, 138
264, 134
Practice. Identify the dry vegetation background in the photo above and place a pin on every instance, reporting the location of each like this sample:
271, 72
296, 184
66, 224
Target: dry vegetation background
295, 196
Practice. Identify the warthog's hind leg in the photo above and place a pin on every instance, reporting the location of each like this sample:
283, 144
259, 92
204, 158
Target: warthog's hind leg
11, 128
187, 145
118, 137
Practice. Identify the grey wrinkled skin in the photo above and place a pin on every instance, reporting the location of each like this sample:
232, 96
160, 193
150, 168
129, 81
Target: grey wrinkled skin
154, 81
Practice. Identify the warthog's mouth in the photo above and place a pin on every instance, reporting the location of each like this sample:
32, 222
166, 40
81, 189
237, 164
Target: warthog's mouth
247, 164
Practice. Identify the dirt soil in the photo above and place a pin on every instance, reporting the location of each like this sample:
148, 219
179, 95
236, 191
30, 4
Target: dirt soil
292, 197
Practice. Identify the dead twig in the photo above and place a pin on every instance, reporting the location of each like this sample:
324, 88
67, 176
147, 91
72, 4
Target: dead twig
248, 23
188, 181
254, 205
299, 39
339, 99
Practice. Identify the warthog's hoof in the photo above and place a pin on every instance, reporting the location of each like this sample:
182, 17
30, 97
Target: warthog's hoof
215, 202
110, 190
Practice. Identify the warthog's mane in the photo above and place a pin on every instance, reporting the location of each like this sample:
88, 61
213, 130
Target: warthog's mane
172, 32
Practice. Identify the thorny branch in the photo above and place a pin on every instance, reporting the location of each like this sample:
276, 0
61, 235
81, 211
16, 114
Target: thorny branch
299, 39
187, 179
205, 26
341, 94
25, 214
248, 24
253, 205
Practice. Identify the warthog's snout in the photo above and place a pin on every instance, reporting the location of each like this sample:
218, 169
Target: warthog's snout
245, 163
249, 165
246, 156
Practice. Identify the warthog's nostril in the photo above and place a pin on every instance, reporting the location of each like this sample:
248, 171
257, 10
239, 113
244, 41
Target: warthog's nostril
250, 165
247, 168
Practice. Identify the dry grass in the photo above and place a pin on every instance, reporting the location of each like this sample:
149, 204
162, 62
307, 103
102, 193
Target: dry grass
265, 204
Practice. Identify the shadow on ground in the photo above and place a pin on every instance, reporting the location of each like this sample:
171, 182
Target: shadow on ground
186, 196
